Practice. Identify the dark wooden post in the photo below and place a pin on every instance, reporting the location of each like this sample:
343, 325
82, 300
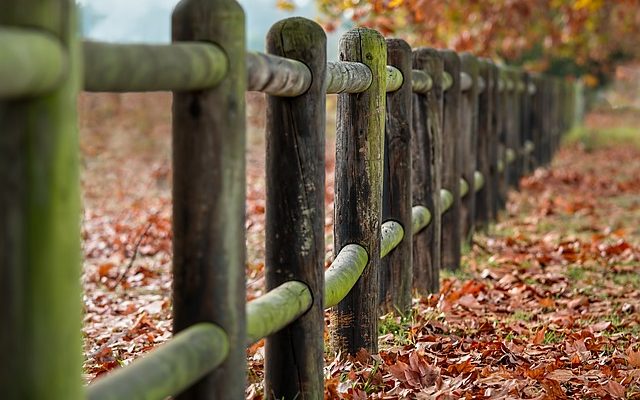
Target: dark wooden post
513, 127
358, 189
536, 118
40, 338
483, 211
502, 129
526, 130
451, 163
543, 89
209, 195
295, 212
396, 270
427, 161
492, 184
469, 132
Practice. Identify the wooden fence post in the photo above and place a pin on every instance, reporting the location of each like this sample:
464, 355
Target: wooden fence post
40, 212
358, 189
512, 139
469, 132
396, 271
492, 185
526, 127
209, 195
451, 162
483, 211
535, 92
427, 160
295, 128
502, 129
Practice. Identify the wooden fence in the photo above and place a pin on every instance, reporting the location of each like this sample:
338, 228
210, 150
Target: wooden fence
428, 142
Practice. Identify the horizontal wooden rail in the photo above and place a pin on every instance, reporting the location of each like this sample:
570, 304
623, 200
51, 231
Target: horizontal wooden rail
347, 77
447, 81
185, 66
420, 218
168, 369
478, 181
464, 187
343, 273
482, 85
276, 309
277, 76
466, 81
510, 155
421, 82
394, 78
446, 198
392, 234
31, 62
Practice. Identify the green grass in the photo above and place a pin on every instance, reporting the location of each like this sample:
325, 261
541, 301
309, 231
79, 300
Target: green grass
597, 138
552, 337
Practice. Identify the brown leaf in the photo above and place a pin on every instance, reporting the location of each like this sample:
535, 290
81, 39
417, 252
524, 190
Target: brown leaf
615, 389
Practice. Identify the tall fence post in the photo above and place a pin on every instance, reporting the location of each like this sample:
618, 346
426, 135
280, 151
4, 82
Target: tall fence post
295, 212
537, 105
494, 161
512, 139
483, 211
358, 189
396, 271
40, 230
469, 132
503, 129
427, 160
209, 195
451, 162
526, 134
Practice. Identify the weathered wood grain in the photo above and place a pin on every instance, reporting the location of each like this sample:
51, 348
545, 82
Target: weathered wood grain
451, 164
396, 270
40, 292
485, 130
115, 67
209, 195
295, 128
277, 76
469, 143
358, 190
426, 144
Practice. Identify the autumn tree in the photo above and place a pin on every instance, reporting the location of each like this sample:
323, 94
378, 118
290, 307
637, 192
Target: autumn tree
576, 37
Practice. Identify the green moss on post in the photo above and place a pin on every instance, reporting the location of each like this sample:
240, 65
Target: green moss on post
40, 229
358, 198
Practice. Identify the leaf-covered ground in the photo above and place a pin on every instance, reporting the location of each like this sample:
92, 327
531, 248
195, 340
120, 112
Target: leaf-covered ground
547, 305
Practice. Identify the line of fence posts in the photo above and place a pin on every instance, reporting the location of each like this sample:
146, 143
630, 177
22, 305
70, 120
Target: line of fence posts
428, 142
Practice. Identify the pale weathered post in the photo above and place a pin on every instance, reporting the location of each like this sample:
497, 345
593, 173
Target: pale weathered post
396, 271
358, 189
209, 195
40, 213
295, 212
469, 132
427, 161
451, 163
